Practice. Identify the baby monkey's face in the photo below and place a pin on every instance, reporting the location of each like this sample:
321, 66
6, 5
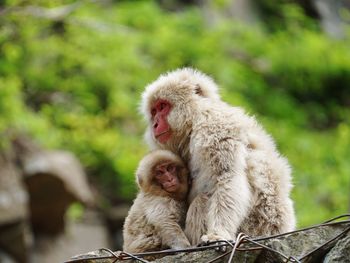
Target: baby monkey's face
166, 174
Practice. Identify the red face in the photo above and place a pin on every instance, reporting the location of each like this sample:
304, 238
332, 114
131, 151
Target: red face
160, 127
166, 176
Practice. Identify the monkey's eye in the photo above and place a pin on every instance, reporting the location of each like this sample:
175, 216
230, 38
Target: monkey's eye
153, 112
171, 168
158, 173
162, 106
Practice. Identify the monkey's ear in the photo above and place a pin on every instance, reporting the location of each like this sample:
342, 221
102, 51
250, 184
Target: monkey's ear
198, 90
139, 180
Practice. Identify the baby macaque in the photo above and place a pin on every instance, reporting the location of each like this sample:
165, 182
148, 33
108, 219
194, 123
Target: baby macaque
159, 210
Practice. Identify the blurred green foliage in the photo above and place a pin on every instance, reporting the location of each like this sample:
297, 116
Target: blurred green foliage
73, 81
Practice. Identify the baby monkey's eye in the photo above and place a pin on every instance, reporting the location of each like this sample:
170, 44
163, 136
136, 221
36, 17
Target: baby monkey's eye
159, 173
171, 168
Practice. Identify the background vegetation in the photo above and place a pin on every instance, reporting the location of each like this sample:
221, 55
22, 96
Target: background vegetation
72, 76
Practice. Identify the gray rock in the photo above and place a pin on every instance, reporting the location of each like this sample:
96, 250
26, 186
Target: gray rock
308, 245
14, 235
340, 252
54, 179
65, 167
13, 196
83, 235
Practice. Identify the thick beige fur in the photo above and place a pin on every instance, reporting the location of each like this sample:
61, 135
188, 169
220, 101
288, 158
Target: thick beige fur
155, 218
240, 183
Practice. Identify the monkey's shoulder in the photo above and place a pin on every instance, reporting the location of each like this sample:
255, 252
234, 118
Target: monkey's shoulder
224, 125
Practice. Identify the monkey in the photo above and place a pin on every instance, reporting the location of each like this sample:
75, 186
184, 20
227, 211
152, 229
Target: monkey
240, 182
154, 220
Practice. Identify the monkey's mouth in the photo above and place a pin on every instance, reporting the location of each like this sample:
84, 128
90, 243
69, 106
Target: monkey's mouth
170, 188
163, 136
162, 133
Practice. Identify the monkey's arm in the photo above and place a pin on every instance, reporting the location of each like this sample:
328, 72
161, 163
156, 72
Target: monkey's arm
230, 199
166, 217
139, 236
172, 235
142, 244
196, 219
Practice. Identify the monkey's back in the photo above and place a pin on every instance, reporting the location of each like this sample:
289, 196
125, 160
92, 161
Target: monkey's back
268, 173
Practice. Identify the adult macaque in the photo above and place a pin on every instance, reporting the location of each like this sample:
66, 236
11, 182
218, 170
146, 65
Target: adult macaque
240, 183
154, 220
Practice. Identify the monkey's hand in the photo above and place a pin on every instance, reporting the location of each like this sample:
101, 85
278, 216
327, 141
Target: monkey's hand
215, 239
180, 244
